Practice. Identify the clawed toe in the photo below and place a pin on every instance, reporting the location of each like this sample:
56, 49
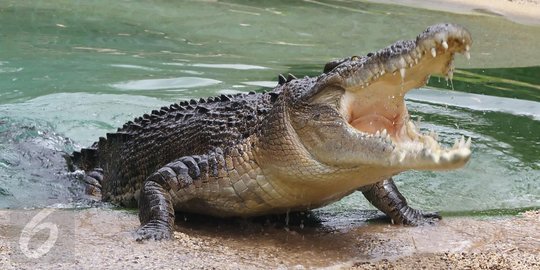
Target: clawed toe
153, 232
414, 217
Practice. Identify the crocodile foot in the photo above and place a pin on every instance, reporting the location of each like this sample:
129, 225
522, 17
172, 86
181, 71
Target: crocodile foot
414, 217
153, 231
386, 197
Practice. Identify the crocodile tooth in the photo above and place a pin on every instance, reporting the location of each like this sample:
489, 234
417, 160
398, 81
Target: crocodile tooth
417, 124
384, 133
402, 156
402, 73
381, 68
410, 59
377, 134
446, 156
433, 52
449, 75
462, 141
435, 157
402, 62
468, 143
432, 144
411, 130
436, 135
352, 80
456, 144
444, 44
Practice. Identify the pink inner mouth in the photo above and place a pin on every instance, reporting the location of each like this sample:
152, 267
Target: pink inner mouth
379, 109
374, 122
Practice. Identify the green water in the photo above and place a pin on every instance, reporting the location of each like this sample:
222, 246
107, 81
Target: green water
70, 71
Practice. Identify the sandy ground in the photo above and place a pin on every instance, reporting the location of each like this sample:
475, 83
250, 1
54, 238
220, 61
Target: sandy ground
520, 11
102, 238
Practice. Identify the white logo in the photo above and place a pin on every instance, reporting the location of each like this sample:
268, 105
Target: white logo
32, 228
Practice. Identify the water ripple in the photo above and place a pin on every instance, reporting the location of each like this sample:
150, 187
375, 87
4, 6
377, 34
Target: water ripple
172, 83
224, 66
4, 69
230, 66
478, 102
134, 67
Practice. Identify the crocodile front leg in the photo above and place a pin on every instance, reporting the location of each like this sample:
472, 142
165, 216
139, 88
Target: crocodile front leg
386, 197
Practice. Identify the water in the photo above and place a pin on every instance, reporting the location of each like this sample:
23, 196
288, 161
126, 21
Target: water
70, 71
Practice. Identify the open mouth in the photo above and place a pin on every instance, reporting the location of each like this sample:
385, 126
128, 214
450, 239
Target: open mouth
376, 86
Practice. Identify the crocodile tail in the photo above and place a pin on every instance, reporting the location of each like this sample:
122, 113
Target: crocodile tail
86, 159
72, 160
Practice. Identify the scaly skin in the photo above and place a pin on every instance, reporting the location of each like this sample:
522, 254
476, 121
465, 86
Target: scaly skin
305, 144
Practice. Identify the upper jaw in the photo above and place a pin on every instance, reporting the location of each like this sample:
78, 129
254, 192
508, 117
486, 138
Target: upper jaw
436, 41
375, 88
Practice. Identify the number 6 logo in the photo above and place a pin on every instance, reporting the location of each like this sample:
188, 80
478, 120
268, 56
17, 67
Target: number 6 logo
32, 228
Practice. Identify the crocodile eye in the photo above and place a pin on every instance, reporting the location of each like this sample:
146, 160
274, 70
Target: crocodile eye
370, 54
354, 58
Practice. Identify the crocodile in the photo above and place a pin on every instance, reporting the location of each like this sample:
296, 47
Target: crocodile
304, 144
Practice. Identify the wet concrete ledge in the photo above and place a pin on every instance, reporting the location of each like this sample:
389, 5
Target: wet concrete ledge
102, 238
